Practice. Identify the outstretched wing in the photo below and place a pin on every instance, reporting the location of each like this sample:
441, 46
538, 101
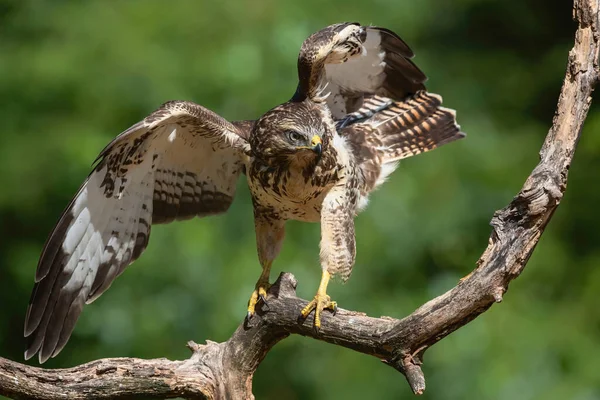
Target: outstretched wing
384, 131
348, 61
181, 161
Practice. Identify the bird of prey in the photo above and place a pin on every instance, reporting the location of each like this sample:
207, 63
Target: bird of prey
360, 106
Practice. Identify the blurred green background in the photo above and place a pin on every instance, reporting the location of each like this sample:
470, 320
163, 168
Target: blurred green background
75, 74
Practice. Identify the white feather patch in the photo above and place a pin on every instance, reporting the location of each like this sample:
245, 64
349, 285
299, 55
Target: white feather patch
341, 146
172, 135
386, 170
363, 73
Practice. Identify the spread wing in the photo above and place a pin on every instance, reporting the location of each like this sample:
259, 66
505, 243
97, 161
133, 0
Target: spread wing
181, 161
384, 131
349, 61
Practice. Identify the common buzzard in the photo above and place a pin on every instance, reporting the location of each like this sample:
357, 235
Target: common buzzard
360, 106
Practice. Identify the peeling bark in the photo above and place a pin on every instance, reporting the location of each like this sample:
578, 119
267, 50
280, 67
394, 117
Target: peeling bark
225, 370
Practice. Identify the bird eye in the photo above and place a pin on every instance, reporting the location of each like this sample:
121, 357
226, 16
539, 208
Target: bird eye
295, 136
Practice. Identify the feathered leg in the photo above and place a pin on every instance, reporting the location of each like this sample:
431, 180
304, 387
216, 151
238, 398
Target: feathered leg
338, 248
269, 237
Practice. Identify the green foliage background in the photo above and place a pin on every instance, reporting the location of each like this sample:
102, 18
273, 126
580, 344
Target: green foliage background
75, 74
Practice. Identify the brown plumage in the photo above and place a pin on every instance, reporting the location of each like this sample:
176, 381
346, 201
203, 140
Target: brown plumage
383, 132
360, 106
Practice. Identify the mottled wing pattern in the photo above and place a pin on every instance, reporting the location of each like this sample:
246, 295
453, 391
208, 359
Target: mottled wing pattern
181, 161
385, 131
345, 62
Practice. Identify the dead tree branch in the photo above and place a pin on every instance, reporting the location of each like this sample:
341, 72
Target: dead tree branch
225, 370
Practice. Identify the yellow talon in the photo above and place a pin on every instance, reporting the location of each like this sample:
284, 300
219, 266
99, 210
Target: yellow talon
260, 293
260, 290
320, 302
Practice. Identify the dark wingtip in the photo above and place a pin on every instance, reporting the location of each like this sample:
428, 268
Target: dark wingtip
45, 353
43, 357
32, 320
33, 346
452, 134
29, 328
391, 41
28, 355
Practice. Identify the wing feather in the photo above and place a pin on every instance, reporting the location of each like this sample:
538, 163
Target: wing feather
344, 62
384, 131
181, 161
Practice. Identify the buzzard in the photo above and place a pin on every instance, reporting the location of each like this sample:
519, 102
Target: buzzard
360, 106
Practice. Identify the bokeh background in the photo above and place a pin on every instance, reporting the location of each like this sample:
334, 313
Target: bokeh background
75, 74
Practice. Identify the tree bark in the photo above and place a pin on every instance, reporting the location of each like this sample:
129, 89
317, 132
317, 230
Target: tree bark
225, 370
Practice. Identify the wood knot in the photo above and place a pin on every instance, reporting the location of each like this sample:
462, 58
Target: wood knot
497, 293
543, 190
193, 346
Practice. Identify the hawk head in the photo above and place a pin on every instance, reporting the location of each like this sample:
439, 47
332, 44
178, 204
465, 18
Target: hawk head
292, 134
334, 44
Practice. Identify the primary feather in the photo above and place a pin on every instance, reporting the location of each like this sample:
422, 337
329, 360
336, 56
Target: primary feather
181, 161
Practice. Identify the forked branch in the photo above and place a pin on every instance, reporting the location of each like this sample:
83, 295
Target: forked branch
225, 370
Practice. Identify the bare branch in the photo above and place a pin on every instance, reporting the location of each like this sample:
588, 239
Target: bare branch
225, 370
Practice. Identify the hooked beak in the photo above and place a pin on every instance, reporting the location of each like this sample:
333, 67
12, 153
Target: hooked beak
316, 144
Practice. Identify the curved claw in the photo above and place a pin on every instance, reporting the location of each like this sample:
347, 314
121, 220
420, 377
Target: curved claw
263, 297
318, 304
259, 294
